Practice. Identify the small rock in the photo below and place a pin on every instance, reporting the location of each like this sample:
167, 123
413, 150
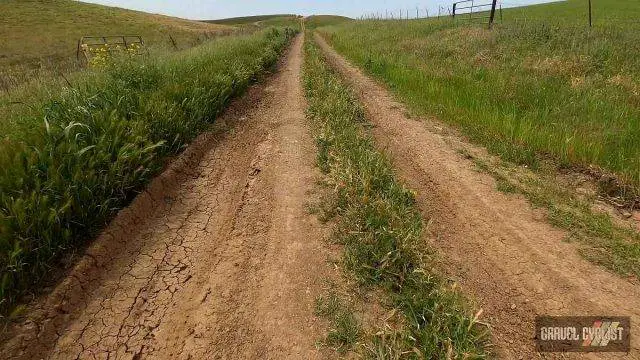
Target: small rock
513, 306
626, 214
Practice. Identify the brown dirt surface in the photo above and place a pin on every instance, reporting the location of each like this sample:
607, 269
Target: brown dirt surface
502, 252
217, 259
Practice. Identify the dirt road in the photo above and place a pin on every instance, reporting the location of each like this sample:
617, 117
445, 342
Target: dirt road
502, 253
218, 259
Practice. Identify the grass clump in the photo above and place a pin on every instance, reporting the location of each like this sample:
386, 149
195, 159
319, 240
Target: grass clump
72, 161
543, 86
380, 227
345, 328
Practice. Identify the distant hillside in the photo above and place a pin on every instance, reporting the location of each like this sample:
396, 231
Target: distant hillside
325, 20
38, 33
244, 20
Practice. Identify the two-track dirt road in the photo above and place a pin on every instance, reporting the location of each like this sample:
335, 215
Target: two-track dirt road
218, 259
503, 253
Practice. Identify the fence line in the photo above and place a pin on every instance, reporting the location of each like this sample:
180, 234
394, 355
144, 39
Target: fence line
416, 13
483, 11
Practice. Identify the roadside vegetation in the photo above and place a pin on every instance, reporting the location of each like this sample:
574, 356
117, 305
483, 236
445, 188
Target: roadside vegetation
379, 228
605, 239
39, 38
605, 13
76, 155
345, 330
541, 85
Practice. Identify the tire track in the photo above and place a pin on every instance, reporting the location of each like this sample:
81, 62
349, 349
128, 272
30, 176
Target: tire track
210, 262
501, 251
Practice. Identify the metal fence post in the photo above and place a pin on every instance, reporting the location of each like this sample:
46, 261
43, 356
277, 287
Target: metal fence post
493, 12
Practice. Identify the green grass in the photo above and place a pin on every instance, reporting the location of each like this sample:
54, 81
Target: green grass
541, 85
79, 154
605, 13
281, 20
253, 23
345, 329
315, 21
380, 227
599, 238
291, 21
40, 35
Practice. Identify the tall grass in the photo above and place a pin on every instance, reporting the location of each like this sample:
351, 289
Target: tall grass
380, 228
528, 89
71, 162
35, 32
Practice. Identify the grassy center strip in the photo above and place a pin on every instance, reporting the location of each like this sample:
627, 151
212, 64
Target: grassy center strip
380, 229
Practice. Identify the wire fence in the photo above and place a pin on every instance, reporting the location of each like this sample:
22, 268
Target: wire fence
475, 10
589, 13
480, 8
407, 14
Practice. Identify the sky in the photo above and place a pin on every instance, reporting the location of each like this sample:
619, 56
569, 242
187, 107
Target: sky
219, 9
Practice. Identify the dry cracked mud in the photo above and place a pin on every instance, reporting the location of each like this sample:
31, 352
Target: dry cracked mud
217, 259
503, 253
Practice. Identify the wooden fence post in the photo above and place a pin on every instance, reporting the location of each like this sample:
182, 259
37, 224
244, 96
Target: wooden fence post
590, 15
175, 46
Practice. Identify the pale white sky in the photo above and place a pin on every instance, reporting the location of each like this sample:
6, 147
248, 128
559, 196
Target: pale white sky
218, 9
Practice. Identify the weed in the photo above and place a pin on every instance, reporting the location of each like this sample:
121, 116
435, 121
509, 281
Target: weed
601, 240
380, 227
345, 328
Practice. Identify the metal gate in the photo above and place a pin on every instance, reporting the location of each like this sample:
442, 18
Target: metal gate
88, 46
475, 11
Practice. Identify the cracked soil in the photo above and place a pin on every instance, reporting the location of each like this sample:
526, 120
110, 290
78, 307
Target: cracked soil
217, 259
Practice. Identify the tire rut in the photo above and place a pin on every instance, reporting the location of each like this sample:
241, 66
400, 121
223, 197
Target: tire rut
208, 262
502, 252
